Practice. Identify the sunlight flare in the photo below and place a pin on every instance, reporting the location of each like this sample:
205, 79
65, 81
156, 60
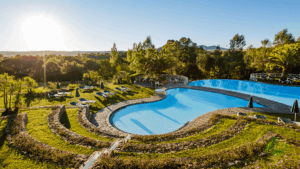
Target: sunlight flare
42, 33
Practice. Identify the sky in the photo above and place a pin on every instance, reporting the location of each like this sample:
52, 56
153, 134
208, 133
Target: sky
94, 25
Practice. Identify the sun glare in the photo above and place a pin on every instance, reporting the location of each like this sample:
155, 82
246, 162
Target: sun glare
42, 33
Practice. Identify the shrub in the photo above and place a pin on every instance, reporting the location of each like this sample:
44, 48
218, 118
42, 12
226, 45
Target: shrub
73, 86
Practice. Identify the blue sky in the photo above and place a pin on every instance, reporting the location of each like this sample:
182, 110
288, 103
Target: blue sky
96, 25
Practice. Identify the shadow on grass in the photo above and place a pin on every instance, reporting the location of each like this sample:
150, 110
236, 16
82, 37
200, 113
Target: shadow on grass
89, 91
29, 98
65, 120
3, 133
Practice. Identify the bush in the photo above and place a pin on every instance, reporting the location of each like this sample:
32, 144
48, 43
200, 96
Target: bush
73, 86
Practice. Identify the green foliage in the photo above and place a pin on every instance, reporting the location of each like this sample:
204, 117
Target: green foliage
282, 38
30, 83
114, 54
52, 85
73, 86
285, 57
92, 77
271, 144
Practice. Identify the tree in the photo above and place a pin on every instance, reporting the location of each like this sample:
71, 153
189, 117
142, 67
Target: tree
235, 51
285, 57
52, 86
265, 43
148, 43
298, 39
282, 38
114, 54
12, 87
5, 80
19, 86
30, 84
92, 77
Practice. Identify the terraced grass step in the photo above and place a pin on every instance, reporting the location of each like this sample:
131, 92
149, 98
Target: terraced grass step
69, 120
221, 126
181, 146
251, 133
38, 128
224, 158
13, 159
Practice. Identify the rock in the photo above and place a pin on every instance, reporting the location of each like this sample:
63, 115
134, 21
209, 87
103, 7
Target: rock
231, 164
238, 162
262, 154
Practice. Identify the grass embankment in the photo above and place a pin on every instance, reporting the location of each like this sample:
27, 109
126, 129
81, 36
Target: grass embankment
69, 120
40, 100
223, 125
252, 132
38, 128
11, 158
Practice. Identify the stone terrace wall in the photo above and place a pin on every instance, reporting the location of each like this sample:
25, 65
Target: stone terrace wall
82, 115
69, 136
255, 75
184, 79
31, 147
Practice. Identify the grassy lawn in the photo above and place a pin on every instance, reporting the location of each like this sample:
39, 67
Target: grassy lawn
11, 158
69, 120
223, 125
252, 132
135, 93
38, 128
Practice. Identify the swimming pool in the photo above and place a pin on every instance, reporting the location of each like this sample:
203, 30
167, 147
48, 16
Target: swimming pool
281, 94
180, 106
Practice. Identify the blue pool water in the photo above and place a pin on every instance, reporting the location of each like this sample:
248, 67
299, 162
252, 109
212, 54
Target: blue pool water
282, 94
171, 113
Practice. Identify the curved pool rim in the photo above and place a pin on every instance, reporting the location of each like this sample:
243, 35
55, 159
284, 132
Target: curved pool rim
112, 114
278, 85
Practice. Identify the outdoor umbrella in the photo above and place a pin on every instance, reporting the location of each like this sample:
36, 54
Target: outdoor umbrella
102, 86
77, 93
57, 85
250, 104
295, 109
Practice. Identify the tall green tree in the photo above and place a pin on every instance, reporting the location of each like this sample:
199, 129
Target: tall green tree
30, 84
235, 51
148, 43
285, 57
5, 80
283, 37
266, 42
92, 77
114, 54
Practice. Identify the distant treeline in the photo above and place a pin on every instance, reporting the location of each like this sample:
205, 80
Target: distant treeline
181, 56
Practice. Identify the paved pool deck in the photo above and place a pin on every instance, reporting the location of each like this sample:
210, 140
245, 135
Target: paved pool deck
102, 119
